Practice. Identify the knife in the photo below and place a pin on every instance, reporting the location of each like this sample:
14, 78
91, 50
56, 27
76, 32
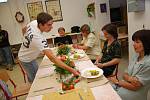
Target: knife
43, 89
80, 96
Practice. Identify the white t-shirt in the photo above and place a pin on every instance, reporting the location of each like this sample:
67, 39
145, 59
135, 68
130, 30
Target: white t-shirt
34, 43
92, 41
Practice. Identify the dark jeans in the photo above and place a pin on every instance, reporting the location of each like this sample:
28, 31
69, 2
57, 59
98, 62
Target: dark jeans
6, 55
31, 69
108, 70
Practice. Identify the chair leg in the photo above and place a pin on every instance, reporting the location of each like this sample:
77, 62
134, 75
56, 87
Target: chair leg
16, 98
24, 79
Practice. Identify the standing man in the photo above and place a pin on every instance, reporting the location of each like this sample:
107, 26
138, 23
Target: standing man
34, 43
5, 50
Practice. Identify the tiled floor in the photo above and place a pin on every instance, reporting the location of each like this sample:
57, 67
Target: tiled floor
17, 76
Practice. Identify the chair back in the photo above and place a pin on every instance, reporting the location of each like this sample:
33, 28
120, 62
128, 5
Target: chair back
22, 70
115, 73
5, 90
4, 75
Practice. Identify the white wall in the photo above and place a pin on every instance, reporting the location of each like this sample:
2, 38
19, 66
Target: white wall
136, 21
8, 21
73, 11
101, 18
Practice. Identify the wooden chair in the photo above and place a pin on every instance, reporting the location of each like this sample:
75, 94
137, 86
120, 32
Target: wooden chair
23, 71
115, 73
19, 90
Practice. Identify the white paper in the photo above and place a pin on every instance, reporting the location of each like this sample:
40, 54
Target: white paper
45, 71
39, 97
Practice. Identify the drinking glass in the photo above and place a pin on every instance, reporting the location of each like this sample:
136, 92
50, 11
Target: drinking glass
83, 84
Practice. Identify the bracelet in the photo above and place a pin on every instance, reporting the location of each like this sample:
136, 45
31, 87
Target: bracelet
117, 83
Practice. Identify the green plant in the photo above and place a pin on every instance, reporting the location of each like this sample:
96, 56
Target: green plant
91, 10
63, 71
63, 50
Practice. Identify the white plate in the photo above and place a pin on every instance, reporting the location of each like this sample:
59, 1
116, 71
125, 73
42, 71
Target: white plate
85, 73
80, 54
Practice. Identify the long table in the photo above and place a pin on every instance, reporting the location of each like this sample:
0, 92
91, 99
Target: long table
45, 82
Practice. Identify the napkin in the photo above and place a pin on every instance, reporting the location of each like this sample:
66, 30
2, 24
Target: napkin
75, 94
97, 81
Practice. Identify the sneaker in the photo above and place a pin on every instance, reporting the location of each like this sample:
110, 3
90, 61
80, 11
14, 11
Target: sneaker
3, 64
9, 67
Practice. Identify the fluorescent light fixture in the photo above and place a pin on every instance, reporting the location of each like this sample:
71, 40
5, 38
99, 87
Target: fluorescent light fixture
3, 1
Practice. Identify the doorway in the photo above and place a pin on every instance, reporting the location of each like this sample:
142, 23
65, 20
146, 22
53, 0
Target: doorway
118, 16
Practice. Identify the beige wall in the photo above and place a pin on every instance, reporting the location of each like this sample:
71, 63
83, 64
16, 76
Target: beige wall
73, 11
136, 20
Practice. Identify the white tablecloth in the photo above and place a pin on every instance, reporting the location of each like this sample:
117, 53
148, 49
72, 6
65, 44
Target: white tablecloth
103, 92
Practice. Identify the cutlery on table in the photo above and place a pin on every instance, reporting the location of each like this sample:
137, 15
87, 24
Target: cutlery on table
43, 89
80, 96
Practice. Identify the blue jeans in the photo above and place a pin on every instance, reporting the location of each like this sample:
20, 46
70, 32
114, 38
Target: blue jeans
6, 55
31, 69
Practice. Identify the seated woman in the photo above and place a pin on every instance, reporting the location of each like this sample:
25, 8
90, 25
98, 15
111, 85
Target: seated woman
63, 39
136, 79
89, 43
111, 52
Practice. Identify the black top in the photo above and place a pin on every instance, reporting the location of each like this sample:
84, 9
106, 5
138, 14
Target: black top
63, 40
4, 42
110, 52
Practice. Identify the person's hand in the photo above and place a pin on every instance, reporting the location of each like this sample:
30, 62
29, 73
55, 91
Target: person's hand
130, 79
114, 80
24, 29
134, 81
96, 62
75, 46
97, 59
100, 65
76, 73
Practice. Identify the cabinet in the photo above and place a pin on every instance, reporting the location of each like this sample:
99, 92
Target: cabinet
136, 5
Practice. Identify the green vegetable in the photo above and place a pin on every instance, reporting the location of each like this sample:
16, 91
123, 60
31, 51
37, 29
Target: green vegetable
63, 71
63, 50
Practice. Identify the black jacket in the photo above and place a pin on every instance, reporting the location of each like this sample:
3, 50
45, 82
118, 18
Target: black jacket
4, 41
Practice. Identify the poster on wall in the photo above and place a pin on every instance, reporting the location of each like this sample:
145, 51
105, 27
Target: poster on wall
34, 8
54, 9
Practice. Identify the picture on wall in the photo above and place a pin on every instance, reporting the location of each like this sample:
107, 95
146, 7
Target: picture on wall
34, 9
103, 8
53, 7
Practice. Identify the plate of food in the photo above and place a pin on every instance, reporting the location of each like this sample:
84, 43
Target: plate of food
76, 56
92, 72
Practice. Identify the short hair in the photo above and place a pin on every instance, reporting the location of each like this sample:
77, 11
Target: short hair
85, 27
61, 28
43, 18
144, 36
111, 29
